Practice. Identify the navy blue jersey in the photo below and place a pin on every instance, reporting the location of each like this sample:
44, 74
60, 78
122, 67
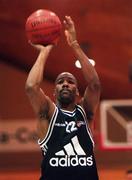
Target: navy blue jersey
68, 148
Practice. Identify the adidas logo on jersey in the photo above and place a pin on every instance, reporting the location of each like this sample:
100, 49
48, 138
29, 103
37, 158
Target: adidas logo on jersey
71, 155
71, 161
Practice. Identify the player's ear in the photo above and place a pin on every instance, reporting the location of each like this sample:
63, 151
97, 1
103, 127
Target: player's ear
77, 92
54, 93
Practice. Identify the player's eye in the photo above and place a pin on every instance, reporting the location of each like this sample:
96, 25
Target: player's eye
71, 82
60, 81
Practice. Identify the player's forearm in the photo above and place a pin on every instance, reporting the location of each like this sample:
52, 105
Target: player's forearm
88, 70
35, 76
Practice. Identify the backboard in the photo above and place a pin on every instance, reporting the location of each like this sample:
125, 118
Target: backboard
116, 124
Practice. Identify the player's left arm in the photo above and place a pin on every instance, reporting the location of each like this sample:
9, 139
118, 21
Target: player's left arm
91, 96
92, 92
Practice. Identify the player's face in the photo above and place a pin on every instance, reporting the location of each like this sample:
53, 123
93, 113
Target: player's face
66, 88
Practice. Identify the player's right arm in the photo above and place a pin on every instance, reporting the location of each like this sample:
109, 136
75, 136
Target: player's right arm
42, 104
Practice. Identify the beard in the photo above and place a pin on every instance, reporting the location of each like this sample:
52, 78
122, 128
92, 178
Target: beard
66, 98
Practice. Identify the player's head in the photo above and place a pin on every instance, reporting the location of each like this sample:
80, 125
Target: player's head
66, 88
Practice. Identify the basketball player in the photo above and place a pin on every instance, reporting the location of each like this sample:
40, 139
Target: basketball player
63, 128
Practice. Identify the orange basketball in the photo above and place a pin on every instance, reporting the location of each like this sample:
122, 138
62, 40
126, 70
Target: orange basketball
43, 27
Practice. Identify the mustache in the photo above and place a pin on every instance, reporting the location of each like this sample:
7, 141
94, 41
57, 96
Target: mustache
65, 89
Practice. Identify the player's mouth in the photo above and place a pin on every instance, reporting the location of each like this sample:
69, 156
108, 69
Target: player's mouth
65, 91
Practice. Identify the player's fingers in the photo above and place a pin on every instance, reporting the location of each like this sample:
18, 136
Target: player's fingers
66, 33
69, 20
29, 41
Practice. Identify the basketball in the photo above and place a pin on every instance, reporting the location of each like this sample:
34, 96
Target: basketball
43, 27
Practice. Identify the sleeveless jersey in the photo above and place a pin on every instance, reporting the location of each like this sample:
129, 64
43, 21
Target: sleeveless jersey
68, 148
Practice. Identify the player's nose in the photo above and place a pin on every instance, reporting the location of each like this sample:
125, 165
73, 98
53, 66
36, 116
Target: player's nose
65, 84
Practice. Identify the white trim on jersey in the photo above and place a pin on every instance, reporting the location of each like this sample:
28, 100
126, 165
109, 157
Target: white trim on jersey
50, 128
85, 119
69, 113
72, 148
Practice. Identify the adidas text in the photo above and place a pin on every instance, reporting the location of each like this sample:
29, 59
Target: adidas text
68, 161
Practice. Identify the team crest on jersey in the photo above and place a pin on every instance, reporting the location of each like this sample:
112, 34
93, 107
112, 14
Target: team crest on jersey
80, 123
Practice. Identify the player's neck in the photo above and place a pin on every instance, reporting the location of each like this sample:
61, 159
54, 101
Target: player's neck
69, 107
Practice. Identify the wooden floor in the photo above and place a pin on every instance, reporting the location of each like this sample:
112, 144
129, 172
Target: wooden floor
105, 174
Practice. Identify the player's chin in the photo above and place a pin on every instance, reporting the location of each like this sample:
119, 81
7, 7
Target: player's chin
65, 99
66, 94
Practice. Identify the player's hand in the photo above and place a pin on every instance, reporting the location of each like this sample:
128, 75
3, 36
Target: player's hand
70, 31
41, 47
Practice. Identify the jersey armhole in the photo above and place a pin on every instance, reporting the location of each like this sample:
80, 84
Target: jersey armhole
50, 128
80, 108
